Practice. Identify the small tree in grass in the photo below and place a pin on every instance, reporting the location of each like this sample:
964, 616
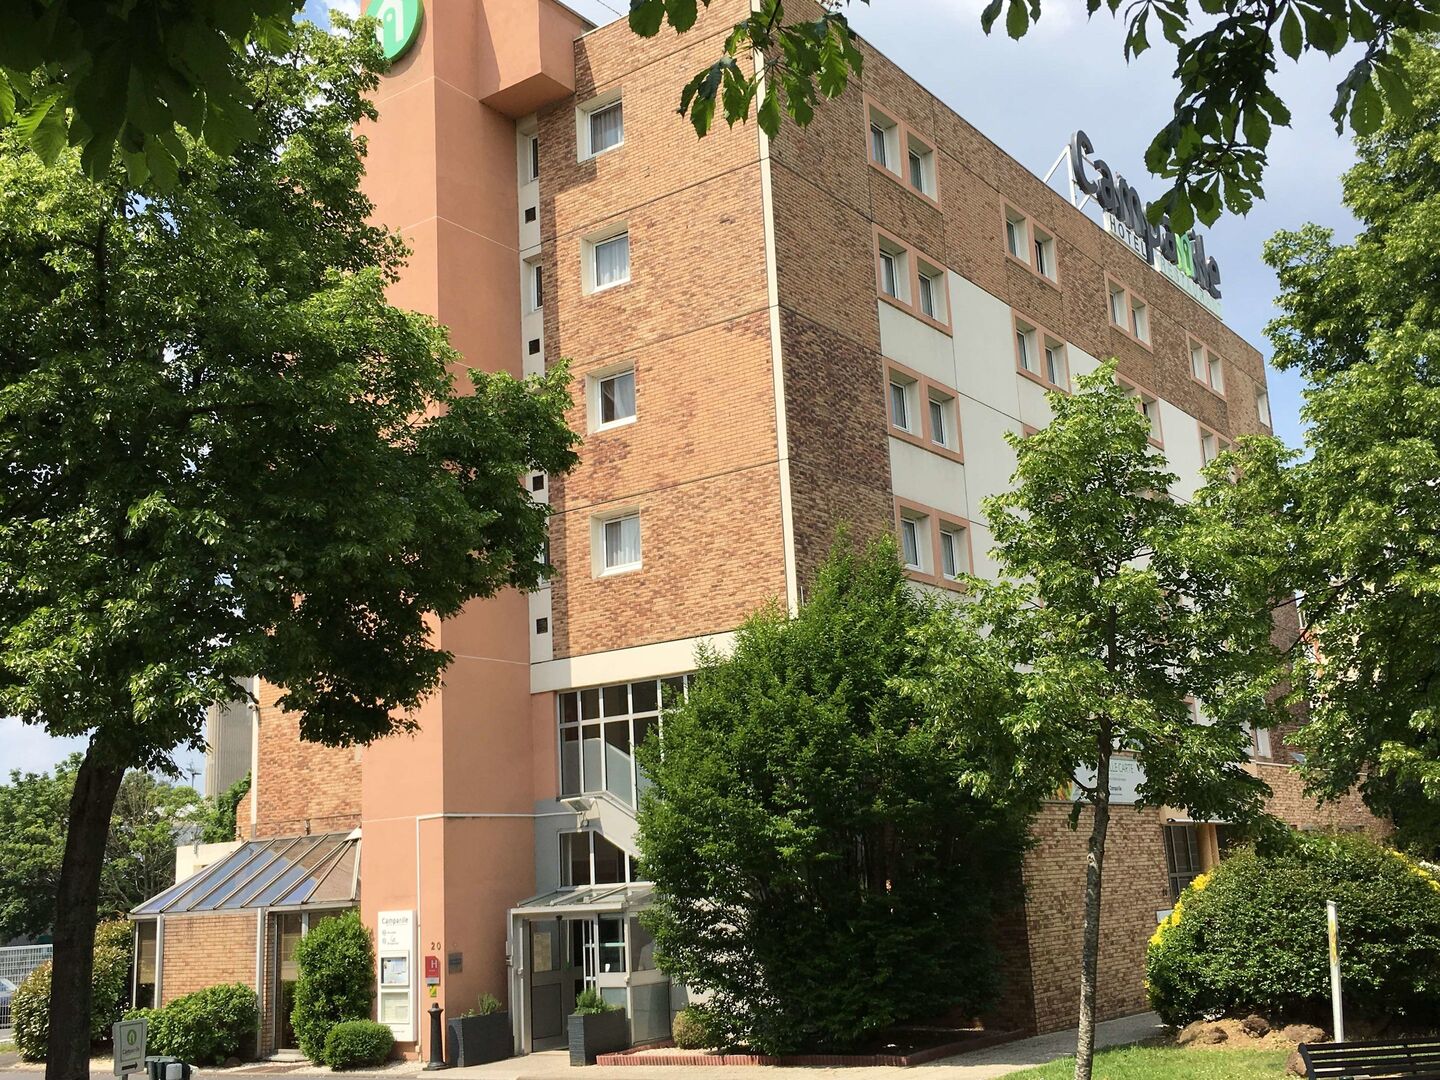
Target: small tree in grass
1117, 606
336, 983
824, 865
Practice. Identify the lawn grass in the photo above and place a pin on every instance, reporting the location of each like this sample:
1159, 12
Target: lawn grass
1168, 1063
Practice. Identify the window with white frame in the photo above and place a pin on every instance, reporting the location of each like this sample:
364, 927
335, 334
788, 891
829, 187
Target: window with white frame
1016, 234
1262, 408
1139, 319
619, 542
535, 273
1197, 361
532, 152
613, 398
588, 858
903, 414
1044, 246
1206, 367
1215, 369
954, 552
1055, 373
601, 726
1117, 306
1150, 409
1027, 350
1211, 446
932, 293
913, 541
920, 166
609, 261
944, 429
884, 141
604, 126
894, 271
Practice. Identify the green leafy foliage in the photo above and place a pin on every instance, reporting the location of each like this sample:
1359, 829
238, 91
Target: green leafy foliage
217, 818
1363, 504
1250, 936
206, 1027
145, 825
336, 981
1213, 150
814, 835
356, 1044
589, 1002
691, 1030
109, 990
1116, 605
132, 75
488, 1005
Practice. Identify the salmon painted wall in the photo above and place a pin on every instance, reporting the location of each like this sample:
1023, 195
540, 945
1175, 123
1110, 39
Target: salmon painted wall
441, 171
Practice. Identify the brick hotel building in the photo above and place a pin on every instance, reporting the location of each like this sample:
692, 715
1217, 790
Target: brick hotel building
769, 338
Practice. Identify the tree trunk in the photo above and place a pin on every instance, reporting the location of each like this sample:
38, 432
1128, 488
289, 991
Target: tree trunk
77, 897
1090, 954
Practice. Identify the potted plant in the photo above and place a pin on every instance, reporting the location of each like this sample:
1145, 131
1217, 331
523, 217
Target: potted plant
596, 1027
480, 1034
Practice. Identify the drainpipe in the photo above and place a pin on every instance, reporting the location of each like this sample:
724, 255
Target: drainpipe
159, 959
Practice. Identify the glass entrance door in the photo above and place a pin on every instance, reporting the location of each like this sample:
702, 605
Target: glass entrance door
288, 928
552, 997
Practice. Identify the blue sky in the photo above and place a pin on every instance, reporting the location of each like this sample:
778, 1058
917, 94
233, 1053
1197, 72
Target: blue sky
1028, 96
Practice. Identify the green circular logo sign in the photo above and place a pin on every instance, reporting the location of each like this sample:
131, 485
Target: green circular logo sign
399, 23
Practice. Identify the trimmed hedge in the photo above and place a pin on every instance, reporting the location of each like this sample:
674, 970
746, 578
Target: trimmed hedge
206, 1027
109, 992
1250, 936
336, 981
690, 1030
357, 1044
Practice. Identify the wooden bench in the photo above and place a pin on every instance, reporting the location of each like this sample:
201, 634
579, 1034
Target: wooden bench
1418, 1059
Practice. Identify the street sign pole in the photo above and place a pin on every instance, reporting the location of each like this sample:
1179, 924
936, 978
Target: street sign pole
1337, 1011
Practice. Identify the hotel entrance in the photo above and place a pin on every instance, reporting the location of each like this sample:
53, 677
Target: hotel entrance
580, 938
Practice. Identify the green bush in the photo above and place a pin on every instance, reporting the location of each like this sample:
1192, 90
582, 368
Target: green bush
487, 1005
206, 1027
358, 1043
336, 981
589, 1002
690, 1030
109, 992
1250, 936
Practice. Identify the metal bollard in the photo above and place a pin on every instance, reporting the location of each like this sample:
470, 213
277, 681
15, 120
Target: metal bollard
437, 1040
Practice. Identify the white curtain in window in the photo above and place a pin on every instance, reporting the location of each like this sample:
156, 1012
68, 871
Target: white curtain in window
617, 397
612, 261
948, 554
607, 127
910, 542
622, 541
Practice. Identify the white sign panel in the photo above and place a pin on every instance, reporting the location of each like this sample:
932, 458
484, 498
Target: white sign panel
1126, 776
129, 1039
395, 949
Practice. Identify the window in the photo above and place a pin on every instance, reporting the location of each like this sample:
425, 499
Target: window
145, 951
1262, 408
1211, 445
611, 261
1182, 857
588, 858
1015, 232
537, 286
954, 557
930, 295
884, 141
1140, 319
1044, 254
912, 541
615, 395
599, 730
620, 543
889, 274
920, 165
1025, 349
1117, 306
1206, 367
902, 410
1148, 405
1041, 355
1054, 364
606, 125
534, 156
942, 420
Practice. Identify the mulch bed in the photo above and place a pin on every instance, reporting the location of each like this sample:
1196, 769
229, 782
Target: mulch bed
911, 1046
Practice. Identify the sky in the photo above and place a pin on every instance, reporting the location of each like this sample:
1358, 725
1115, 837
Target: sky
1029, 96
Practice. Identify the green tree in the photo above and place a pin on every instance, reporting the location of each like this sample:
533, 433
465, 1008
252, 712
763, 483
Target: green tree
1227, 56
336, 963
225, 453
217, 813
814, 836
1117, 606
97, 74
148, 819
1358, 320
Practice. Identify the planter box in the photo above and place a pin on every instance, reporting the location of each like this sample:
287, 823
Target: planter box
474, 1040
598, 1033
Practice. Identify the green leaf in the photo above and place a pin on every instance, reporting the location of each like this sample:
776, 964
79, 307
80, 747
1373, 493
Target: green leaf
768, 114
1367, 110
990, 14
1256, 128
29, 121
163, 169
48, 138
1017, 19
681, 14
1291, 39
7, 99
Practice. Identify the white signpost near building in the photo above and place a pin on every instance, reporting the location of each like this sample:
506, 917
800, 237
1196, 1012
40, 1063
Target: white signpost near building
128, 1037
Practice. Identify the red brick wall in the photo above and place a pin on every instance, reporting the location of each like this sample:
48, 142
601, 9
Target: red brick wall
1290, 804
205, 950
302, 787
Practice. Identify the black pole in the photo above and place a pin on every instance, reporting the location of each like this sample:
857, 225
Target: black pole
437, 1040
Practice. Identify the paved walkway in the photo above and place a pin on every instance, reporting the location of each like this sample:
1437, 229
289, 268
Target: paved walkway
555, 1064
